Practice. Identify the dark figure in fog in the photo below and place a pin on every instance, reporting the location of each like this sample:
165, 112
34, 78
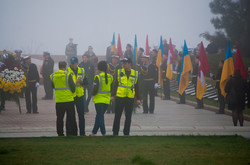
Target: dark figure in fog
194, 82
221, 98
236, 90
32, 81
46, 70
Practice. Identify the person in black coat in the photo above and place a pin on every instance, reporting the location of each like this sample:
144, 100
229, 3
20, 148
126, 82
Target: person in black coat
32, 81
90, 73
236, 90
149, 75
46, 70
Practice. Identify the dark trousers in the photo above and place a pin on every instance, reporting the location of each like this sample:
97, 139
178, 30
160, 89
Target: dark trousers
71, 128
2, 95
31, 89
48, 87
183, 98
121, 103
221, 100
148, 89
199, 102
99, 118
79, 102
111, 107
89, 88
166, 88
237, 115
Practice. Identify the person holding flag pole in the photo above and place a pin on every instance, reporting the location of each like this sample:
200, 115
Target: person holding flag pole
203, 68
158, 64
186, 67
169, 70
236, 86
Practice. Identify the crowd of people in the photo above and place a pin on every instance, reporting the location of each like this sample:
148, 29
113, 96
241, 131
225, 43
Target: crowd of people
116, 85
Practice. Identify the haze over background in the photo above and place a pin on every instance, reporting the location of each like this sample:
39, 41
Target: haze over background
38, 25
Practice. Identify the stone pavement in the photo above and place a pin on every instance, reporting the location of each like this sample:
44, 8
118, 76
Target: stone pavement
169, 119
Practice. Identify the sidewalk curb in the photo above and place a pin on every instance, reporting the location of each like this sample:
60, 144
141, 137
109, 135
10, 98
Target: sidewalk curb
209, 107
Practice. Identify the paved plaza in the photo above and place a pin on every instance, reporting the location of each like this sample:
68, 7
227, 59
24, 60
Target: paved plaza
169, 119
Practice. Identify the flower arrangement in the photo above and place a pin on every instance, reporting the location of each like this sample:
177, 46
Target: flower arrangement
12, 81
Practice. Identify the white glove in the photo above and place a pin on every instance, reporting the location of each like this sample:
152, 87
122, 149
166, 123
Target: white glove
37, 84
211, 74
156, 85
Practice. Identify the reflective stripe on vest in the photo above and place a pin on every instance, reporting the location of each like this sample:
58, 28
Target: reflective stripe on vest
120, 71
62, 90
100, 85
79, 89
126, 84
66, 82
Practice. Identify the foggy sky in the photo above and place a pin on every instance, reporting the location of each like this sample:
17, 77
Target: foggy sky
46, 25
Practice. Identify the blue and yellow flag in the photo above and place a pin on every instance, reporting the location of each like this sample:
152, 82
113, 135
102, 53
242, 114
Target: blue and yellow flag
186, 67
135, 51
227, 71
113, 47
159, 61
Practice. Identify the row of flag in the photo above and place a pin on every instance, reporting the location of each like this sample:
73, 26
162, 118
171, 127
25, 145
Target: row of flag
227, 71
186, 65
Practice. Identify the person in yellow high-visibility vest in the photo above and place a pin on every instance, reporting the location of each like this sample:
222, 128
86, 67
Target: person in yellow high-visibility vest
101, 96
126, 90
78, 75
64, 88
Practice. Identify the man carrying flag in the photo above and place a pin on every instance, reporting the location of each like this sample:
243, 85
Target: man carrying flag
201, 82
169, 70
186, 67
227, 71
159, 62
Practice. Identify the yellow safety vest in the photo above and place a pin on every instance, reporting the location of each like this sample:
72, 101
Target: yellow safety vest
62, 91
80, 74
126, 86
104, 91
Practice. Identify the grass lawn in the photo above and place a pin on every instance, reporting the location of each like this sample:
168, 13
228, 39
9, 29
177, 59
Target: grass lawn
126, 150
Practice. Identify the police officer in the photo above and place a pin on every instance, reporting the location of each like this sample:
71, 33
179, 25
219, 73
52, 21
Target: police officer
221, 98
149, 75
32, 81
46, 70
112, 69
64, 88
182, 97
166, 81
101, 96
125, 89
90, 73
194, 82
79, 78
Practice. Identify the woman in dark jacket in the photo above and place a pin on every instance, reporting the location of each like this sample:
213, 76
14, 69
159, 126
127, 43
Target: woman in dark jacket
236, 91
